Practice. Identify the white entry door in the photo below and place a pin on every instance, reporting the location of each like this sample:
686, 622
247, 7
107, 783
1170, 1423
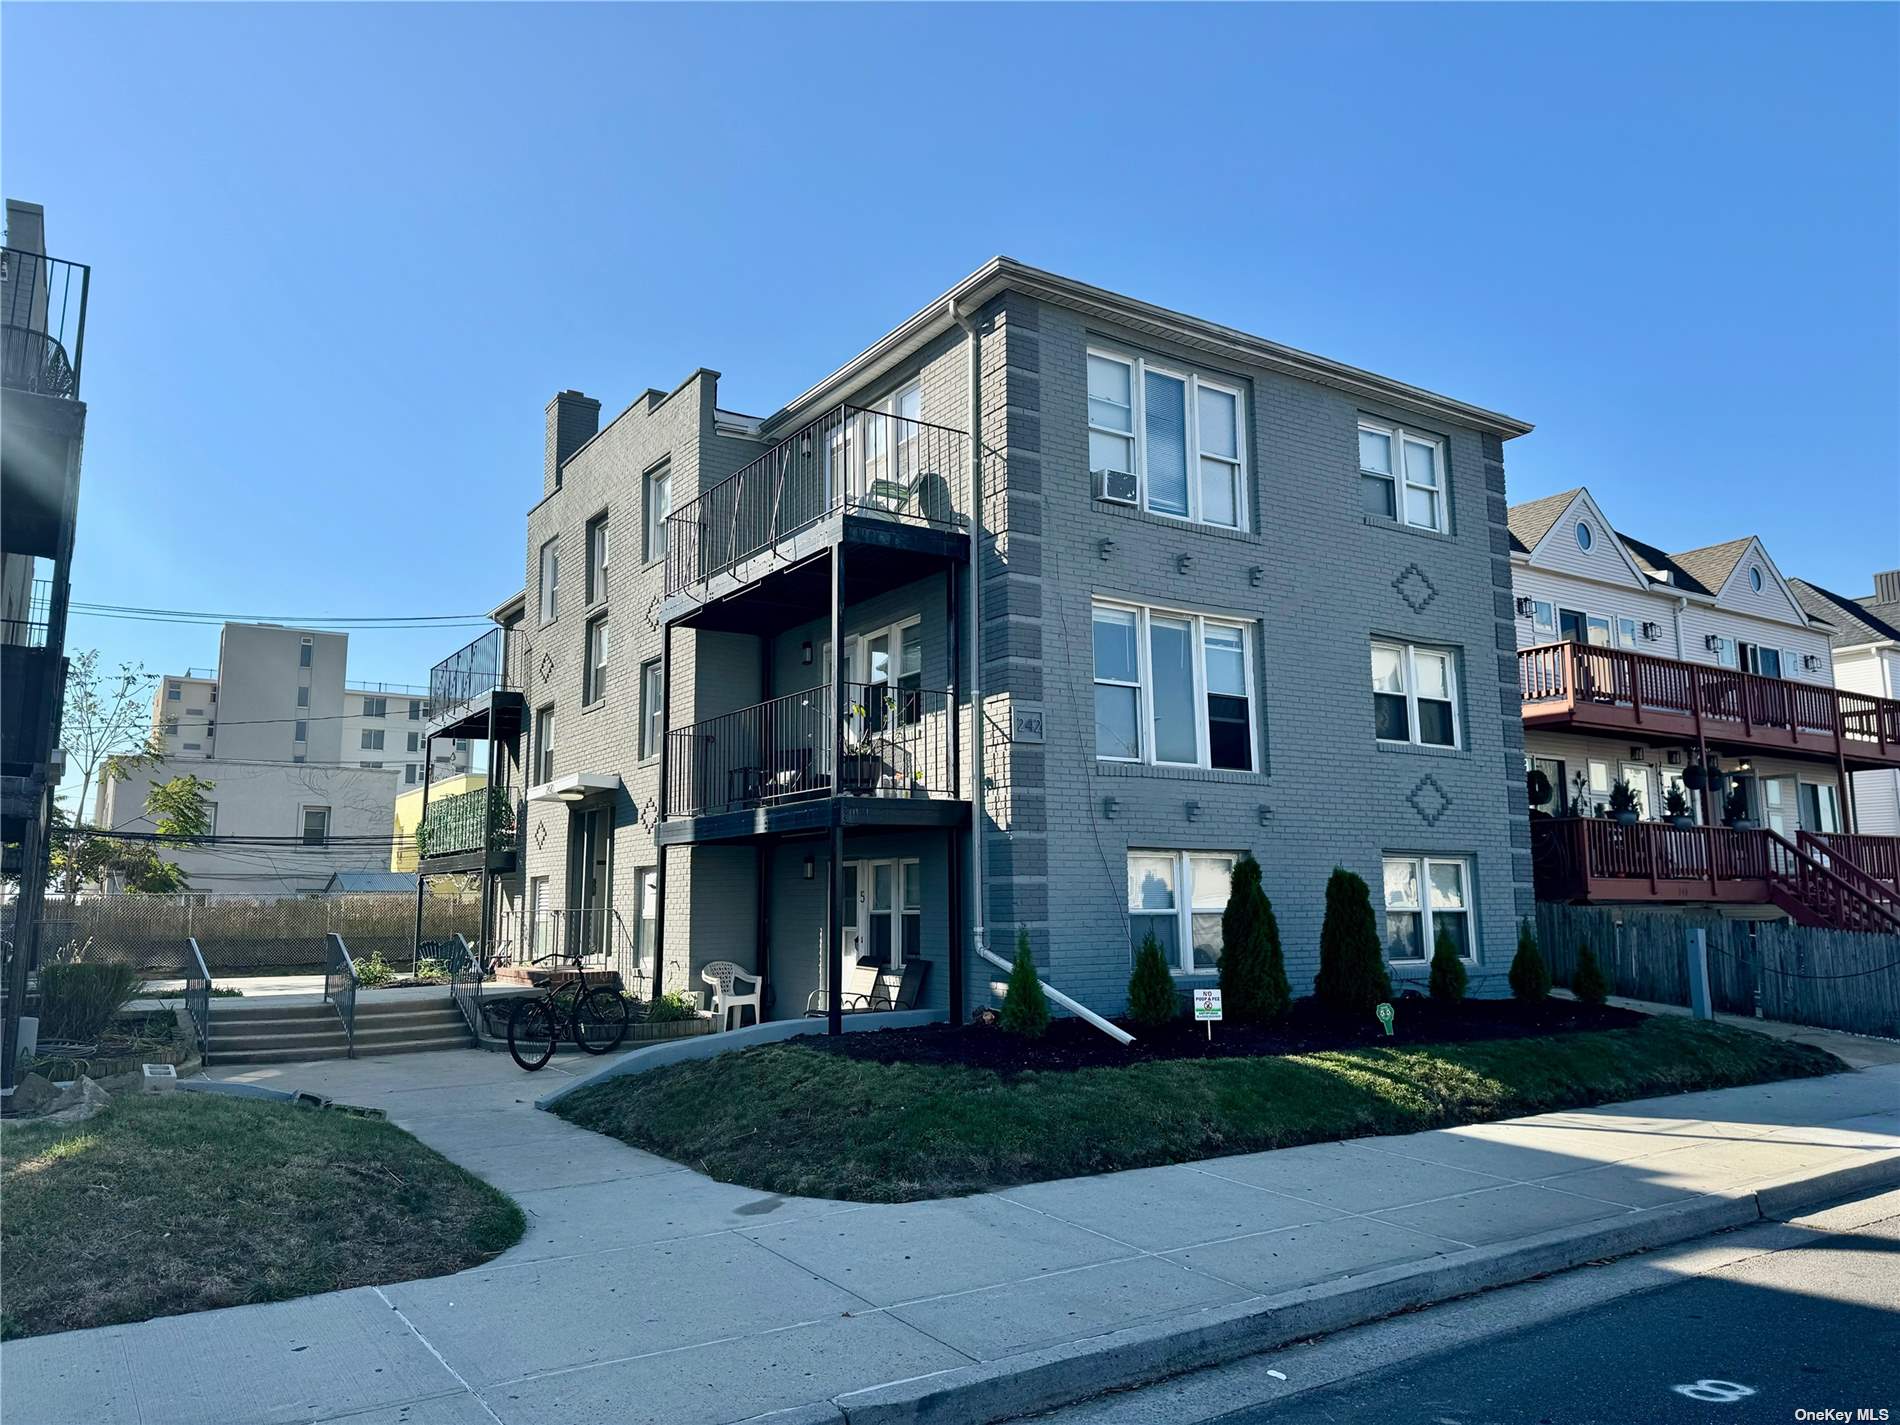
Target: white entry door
1778, 805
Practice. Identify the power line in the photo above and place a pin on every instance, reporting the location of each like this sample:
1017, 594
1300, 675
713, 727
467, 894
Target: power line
200, 614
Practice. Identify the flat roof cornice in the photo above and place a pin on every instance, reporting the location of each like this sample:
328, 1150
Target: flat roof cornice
1002, 274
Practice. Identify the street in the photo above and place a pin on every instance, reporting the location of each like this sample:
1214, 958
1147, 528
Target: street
1810, 1326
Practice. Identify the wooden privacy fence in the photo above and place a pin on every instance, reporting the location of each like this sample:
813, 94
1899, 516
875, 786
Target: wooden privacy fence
1833, 979
240, 935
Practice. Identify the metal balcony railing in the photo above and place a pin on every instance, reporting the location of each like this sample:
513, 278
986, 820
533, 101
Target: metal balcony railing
862, 462
42, 322
27, 627
468, 821
468, 673
898, 742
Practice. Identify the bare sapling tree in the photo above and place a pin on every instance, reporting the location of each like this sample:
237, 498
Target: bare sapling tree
106, 726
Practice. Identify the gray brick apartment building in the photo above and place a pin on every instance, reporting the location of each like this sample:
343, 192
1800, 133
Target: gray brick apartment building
1229, 597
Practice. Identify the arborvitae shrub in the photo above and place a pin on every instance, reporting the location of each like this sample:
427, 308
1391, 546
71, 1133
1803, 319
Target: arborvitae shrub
1588, 983
1253, 987
1530, 975
1448, 971
1025, 1010
1151, 998
1352, 977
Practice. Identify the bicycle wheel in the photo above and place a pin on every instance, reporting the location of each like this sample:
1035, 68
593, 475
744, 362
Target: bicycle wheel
600, 1020
532, 1031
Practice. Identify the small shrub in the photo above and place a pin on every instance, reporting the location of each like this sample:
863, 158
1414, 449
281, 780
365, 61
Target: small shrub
432, 971
1253, 987
1025, 1011
374, 972
1352, 978
672, 1007
1588, 983
79, 999
1448, 971
1151, 999
1530, 975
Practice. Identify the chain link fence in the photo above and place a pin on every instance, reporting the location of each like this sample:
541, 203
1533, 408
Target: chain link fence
241, 935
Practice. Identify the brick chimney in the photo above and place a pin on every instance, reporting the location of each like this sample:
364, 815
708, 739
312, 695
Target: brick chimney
573, 420
1887, 587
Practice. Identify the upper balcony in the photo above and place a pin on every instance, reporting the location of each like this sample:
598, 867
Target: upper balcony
42, 322
470, 693
892, 490
472, 830
1612, 690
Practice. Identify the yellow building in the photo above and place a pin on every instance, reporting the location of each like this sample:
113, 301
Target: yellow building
402, 851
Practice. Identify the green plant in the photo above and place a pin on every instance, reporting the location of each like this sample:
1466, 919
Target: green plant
1674, 802
1530, 975
1151, 998
1587, 982
1025, 1010
78, 999
672, 1007
1624, 799
432, 971
1735, 804
374, 972
1448, 970
1352, 977
1253, 987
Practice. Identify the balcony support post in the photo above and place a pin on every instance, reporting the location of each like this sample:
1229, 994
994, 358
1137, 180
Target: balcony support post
488, 839
422, 816
834, 921
953, 898
666, 768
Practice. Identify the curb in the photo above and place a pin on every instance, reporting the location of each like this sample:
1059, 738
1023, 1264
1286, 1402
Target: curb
1033, 1381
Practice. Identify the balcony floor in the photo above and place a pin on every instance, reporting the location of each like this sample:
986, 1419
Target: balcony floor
792, 582
812, 816
470, 719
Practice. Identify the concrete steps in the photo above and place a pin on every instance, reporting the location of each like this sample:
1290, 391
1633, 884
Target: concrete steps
264, 1033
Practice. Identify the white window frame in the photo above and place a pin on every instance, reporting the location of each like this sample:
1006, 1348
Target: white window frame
1192, 381
544, 744
303, 826
549, 603
375, 707
656, 492
1544, 617
1628, 632
652, 703
372, 740
599, 552
905, 872
646, 915
1144, 699
1186, 906
1428, 933
1408, 671
1400, 478
594, 669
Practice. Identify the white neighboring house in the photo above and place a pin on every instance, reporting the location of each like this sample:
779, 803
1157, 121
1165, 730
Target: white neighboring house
1634, 664
1866, 660
276, 829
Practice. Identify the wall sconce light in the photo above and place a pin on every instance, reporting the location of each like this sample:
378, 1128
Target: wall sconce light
804, 652
1183, 563
1637, 753
808, 868
1257, 575
1104, 548
1193, 811
1652, 631
1109, 807
1265, 814
1525, 608
1811, 662
1711, 640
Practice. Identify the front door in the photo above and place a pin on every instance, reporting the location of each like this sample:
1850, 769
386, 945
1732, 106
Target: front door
1642, 782
889, 897
1778, 805
1570, 625
590, 878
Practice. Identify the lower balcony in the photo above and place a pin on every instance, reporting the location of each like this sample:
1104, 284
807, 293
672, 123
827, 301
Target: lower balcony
1591, 689
768, 769
470, 831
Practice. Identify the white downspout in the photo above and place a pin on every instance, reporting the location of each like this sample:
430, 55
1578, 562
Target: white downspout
973, 617
1682, 607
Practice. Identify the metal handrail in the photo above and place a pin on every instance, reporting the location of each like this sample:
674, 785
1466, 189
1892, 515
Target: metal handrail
480, 666
466, 975
339, 987
850, 458
42, 322
198, 998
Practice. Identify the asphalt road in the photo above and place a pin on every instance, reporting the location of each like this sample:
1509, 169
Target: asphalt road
1812, 1327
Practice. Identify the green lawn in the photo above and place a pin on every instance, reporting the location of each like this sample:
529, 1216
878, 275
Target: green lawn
792, 1119
187, 1201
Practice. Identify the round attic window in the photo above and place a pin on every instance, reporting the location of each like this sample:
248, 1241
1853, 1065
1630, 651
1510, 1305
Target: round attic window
1754, 579
1584, 538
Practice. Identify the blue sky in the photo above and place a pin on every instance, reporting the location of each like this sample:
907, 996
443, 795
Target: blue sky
343, 255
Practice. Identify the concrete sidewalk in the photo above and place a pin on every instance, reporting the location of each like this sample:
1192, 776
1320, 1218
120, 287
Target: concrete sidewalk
644, 1291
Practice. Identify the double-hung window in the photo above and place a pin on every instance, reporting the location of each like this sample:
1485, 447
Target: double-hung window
1181, 434
651, 705
1425, 895
596, 559
372, 739
1402, 474
550, 579
544, 744
316, 826
1178, 897
658, 504
1544, 620
375, 707
1172, 689
1414, 695
594, 674
1625, 632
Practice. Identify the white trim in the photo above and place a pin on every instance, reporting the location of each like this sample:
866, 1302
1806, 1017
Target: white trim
1565, 528
1185, 907
1423, 861
1192, 382
1397, 436
1408, 674
903, 870
1198, 624
574, 786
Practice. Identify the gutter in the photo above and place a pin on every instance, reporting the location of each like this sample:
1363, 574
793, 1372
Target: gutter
973, 614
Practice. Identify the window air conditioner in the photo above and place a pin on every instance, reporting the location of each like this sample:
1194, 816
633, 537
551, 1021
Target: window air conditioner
1115, 486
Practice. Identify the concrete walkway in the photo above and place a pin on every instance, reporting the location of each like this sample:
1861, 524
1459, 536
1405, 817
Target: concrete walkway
645, 1292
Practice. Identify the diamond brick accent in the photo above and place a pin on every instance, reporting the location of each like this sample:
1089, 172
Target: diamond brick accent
547, 667
1415, 588
1429, 800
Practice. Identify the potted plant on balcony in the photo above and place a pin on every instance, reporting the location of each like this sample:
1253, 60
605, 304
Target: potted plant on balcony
1580, 793
1537, 790
1735, 808
1626, 805
1676, 808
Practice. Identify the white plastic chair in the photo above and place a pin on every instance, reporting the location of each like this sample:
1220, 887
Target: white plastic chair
723, 976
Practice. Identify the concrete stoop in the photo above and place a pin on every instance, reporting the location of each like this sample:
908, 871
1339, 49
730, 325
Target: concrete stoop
263, 1033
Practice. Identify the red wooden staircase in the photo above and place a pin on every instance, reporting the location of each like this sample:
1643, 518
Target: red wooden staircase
1816, 884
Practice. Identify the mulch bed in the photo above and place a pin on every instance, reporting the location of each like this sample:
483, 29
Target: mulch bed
1074, 1044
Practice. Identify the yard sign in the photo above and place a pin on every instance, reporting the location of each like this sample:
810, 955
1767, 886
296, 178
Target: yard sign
1207, 1007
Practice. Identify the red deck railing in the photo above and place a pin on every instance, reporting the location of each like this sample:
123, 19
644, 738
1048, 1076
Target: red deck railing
1614, 687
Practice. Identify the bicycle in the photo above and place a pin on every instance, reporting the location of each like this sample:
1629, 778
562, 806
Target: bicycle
597, 1018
